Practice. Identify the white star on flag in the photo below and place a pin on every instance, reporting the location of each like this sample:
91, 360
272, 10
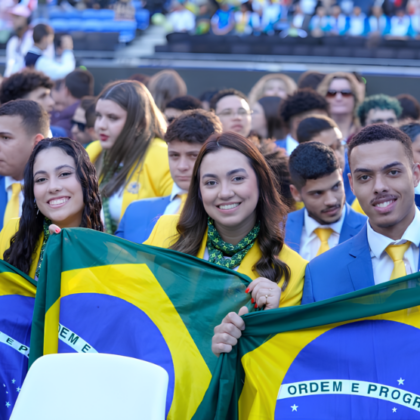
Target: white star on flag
13, 381
394, 410
8, 404
294, 407
18, 389
401, 381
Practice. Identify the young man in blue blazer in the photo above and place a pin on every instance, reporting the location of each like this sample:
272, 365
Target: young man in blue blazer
383, 177
23, 123
185, 136
326, 220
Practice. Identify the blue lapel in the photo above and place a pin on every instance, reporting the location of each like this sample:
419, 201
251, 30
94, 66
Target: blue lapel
294, 226
360, 269
351, 225
3, 200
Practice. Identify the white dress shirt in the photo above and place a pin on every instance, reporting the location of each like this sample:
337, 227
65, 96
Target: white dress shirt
53, 68
8, 181
175, 200
382, 263
115, 205
310, 243
291, 144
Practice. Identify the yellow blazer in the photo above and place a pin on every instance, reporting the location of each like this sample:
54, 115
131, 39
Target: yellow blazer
165, 234
151, 179
8, 232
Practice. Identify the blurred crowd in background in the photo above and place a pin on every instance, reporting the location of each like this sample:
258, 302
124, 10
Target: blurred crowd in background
300, 18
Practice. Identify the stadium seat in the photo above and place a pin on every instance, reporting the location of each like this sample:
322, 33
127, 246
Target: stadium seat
321, 51
59, 25
385, 53
92, 386
102, 41
58, 13
362, 52
93, 25
282, 50
79, 40
341, 51
407, 54
74, 24
181, 47
106, 14
90, 14
142, 19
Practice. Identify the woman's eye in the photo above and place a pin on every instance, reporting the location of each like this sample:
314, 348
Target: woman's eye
210, 183
39, 180
238, 178
65, 174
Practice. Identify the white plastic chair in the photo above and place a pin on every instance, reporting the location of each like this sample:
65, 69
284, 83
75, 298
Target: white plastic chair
92, 387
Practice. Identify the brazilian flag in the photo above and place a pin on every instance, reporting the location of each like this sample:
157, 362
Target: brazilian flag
103, 294
353, 357
17, 298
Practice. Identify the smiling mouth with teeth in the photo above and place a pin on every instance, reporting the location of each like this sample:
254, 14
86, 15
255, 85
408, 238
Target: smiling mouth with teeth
228, 206
385, 204
60, 201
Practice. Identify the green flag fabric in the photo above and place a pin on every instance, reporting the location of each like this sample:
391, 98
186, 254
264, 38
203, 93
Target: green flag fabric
104, 294
353, 357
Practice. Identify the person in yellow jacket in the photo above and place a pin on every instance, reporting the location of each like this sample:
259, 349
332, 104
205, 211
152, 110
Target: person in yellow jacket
131, 157
234, 217
61, 191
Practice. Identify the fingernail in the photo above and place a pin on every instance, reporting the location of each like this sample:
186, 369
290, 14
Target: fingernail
252, 300
247, 290
256, 306
58, 230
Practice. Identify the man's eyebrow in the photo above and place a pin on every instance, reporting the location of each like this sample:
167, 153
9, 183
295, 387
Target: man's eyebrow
384, 168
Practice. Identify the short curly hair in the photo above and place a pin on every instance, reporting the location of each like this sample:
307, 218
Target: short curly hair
381, 132
311, 160
380, 101
194, 126
18, 85
303, 100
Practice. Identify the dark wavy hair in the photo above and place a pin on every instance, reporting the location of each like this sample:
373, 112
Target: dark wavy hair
271, 211
24, 242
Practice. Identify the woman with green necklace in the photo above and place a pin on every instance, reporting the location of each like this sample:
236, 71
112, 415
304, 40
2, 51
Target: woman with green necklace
234, 217
60, 191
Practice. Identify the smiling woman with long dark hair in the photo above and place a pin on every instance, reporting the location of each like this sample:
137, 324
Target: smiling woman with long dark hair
61, 189
234, 217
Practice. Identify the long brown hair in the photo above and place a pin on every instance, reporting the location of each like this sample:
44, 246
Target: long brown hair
144, 123
271, 211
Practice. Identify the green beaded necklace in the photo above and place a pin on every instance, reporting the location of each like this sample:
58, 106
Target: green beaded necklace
218, 248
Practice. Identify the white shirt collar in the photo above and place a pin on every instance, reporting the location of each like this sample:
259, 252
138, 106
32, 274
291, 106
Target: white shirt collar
378, 242
176, 191
9, 181
311, 224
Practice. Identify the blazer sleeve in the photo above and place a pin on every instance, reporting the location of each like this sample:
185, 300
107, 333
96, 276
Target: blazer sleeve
292, 295
308, 294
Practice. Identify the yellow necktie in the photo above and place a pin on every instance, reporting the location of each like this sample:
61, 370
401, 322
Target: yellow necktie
396, 252
12, 208
323, 235
183, 198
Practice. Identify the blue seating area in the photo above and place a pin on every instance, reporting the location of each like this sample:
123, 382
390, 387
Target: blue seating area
91, 20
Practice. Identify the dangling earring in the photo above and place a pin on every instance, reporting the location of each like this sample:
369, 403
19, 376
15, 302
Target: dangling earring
36, 207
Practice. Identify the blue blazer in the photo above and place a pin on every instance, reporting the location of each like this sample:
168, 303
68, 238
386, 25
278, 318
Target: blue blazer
3, 200
352, 224
343, 269
140, 218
